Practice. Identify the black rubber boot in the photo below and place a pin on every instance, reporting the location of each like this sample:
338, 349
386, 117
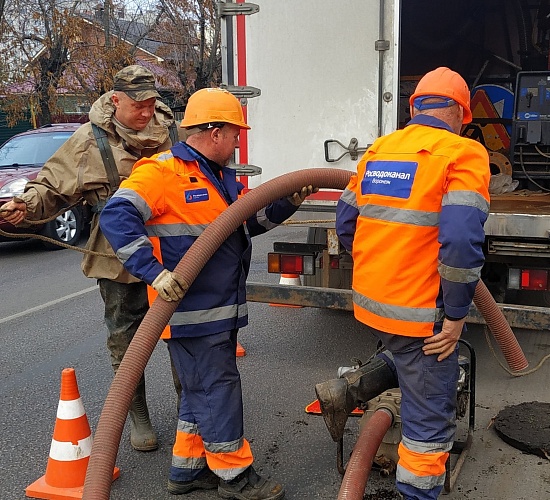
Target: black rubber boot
338, 397
142, 435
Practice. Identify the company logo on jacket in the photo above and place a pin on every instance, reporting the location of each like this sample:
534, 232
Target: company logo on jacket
194, 195
389, 178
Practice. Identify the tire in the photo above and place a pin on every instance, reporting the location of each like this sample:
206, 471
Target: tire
67, 228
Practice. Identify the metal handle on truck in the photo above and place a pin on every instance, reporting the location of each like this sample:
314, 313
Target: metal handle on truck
351, 149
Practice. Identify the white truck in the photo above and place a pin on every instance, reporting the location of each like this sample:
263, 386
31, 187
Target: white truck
321, 80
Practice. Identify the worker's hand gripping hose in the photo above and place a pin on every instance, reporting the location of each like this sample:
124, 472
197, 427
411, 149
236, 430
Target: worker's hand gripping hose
98, 481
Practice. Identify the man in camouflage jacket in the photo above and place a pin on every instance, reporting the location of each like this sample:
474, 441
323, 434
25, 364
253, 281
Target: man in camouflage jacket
136, 124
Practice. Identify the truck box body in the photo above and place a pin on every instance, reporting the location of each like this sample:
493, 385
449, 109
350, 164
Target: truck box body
320, 86
334, 76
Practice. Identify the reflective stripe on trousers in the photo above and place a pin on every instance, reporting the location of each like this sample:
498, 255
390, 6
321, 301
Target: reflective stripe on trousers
428, 413
210, 425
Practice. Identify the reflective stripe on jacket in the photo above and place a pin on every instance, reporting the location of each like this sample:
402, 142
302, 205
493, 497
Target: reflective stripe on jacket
413, 220
158, 213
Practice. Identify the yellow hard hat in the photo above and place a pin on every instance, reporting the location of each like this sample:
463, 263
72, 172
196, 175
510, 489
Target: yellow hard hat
443, 82
213, 105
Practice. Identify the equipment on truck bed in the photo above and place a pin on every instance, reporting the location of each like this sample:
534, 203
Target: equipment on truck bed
531, 130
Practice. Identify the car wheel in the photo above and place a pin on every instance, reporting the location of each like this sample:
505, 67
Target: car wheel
67, 228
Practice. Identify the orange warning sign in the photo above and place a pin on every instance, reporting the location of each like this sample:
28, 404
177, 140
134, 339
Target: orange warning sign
485, 126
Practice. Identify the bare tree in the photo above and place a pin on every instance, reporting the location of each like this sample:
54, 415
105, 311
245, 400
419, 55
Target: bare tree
2, 3
36, 45
61, 47
54, 48
190, 34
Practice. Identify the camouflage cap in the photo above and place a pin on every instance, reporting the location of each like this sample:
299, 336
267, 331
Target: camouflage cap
136, 82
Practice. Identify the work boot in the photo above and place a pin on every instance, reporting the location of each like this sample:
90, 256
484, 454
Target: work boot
338, 397
249, 485
142, 435
206, 480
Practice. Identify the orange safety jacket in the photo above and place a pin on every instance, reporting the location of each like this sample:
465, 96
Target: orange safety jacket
413, 220
157, 214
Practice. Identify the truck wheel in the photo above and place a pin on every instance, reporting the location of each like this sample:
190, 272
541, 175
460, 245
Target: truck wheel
67, 228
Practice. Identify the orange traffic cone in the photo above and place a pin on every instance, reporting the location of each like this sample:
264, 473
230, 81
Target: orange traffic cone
240, 350
70, 449
289, 279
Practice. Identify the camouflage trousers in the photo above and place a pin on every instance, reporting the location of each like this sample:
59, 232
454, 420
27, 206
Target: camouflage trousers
125, 307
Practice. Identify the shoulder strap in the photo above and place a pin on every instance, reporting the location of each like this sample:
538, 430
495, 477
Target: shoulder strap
107, 153
107, 157
174, 137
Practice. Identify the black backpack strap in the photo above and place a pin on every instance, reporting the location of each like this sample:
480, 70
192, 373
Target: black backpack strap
174, 137
109, 160
107, 157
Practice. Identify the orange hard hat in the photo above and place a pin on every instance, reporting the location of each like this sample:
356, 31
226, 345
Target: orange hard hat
443, 82
213, 105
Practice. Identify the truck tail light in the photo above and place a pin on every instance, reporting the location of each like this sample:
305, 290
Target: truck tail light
528, 279
333, 262
281, 263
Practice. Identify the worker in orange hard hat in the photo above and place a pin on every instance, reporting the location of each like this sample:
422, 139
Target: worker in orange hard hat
412, 219
151, 222
442, 88
213, 105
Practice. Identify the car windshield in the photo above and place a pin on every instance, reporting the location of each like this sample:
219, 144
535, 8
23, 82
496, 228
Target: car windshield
32, 149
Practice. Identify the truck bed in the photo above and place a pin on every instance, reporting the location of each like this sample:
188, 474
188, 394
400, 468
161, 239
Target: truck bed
519, 214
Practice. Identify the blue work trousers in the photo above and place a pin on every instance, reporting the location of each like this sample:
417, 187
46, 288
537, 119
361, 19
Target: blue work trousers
211, 396
428, 408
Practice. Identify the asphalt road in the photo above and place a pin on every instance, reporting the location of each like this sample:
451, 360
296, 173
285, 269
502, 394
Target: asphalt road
51, 318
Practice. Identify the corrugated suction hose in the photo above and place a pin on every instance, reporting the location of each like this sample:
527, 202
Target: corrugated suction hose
363, 455
97, 485
499, 327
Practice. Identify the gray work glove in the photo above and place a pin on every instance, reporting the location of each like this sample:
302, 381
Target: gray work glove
170, 286
297, 198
